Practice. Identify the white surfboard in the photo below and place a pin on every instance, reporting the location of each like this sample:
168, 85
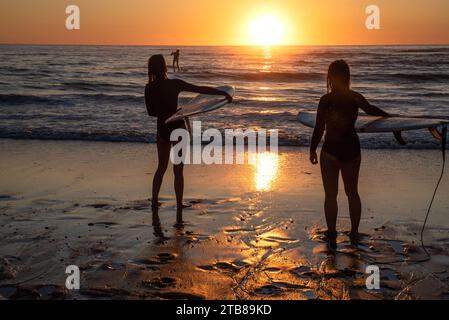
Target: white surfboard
201, 104
372, 124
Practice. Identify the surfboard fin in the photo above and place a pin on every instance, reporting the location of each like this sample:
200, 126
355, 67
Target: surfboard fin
399, 139
436, 133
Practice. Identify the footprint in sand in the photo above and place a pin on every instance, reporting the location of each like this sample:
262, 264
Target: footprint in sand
196, 237
226, 266
287, 285
5, 197
113, 266
301, 270
232, 267
161, 258
165, 257
195, 201
98, 205
48, 292
272, 270
207, 268
269, 290
7, 292
237, 230
31, 293
105, 224
277, 288
147, 264
151, 268
160, 283
138, 205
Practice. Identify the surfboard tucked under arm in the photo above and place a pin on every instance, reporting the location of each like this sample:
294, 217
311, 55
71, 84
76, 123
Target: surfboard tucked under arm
201, 104
372, 124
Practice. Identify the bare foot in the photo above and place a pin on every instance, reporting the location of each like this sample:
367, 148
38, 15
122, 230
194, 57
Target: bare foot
183, 206
354, 237
331, 239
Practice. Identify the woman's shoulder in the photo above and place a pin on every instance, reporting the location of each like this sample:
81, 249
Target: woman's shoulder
174, 80
358, 98
325, 98
356, 94
163, 83
176, 83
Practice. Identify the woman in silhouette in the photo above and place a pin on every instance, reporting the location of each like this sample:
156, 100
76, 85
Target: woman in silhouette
161, 99
337, 114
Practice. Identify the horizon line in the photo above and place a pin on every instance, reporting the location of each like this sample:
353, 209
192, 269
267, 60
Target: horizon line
225, 45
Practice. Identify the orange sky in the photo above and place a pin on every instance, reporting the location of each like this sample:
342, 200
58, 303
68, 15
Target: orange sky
224, 22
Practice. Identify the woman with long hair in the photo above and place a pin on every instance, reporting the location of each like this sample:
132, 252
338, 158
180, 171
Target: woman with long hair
337, 114
161, 99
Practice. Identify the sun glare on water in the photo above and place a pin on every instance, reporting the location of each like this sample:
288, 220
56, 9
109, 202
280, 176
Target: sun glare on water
266, 30
266, 170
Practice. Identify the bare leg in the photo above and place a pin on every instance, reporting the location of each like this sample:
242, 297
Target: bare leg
179, 220
178, 170
330, 172
350, 174
163, 152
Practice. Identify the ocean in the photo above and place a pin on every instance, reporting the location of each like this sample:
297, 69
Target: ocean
96, 92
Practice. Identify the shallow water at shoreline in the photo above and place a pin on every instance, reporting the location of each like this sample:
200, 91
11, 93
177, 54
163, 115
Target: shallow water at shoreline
96, 92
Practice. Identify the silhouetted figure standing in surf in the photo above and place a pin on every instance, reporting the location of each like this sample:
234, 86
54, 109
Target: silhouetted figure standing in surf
337, 114
176, 55
161, 99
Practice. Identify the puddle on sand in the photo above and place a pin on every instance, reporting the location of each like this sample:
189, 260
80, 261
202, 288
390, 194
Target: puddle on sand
231, 267
268, 290
7, 292
272, 270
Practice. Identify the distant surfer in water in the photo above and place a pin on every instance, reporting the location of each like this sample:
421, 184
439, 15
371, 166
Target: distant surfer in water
161, 99
337, 114
175, 55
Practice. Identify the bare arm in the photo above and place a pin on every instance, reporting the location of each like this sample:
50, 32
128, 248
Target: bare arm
318, 131
204, 90
375, 111
369, 109
147, 100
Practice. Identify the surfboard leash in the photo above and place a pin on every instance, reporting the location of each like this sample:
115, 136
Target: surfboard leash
443, 150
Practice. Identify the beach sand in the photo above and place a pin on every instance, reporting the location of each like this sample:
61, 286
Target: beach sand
252, 231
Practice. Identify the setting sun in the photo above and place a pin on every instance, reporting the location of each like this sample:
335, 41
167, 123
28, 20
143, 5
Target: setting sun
266, 30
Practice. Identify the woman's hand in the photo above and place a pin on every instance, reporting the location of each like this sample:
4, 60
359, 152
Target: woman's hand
313, 157
228, 97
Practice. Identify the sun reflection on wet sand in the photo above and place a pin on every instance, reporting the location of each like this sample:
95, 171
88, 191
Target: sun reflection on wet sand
266, 170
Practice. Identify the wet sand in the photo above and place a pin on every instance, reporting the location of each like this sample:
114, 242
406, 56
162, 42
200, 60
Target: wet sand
252, 231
